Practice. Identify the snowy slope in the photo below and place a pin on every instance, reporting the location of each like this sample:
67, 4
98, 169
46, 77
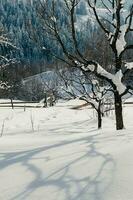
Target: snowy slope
65, 157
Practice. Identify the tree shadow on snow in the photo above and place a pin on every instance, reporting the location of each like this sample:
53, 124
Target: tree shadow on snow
91, 186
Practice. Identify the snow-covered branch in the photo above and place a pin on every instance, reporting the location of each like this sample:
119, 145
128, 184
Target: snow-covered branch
5, 42
129, 65
115, 79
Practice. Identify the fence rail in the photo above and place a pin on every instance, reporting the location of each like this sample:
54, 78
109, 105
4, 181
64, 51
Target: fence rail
20, 104
35, 104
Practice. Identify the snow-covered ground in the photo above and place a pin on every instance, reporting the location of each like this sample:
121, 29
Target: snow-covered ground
57, 153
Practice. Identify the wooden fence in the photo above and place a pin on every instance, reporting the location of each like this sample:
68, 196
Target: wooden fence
20, 104
35, 104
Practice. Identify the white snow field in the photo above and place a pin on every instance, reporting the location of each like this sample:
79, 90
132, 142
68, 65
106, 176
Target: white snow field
57, 153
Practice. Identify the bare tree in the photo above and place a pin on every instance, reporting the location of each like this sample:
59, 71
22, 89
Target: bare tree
76, 84
116, 27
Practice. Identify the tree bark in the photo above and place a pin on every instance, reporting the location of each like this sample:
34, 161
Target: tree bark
118, 111
99, 119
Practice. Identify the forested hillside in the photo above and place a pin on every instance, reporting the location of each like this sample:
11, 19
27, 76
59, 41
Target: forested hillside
20, 21
15, 18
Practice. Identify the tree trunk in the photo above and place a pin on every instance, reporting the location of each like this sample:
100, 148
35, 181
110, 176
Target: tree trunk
118, 111
99, 119
12, 103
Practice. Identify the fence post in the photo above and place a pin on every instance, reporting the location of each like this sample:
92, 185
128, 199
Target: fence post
12, 103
